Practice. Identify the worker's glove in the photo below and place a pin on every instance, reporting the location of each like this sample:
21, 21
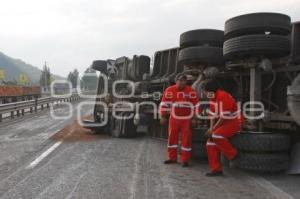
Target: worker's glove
163, 120
208, 134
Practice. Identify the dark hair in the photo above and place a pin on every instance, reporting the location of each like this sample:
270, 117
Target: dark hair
181, 76
211, 85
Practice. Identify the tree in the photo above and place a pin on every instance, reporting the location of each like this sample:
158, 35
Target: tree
45, 79
73, 77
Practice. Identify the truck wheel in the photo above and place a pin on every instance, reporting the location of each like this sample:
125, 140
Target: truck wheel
100, 65
261, 142
262, 163
199, 150
201, 55
198, 135
128, 128
258, 23
139, 67
225, 162
202, 37
144, 65
257, 45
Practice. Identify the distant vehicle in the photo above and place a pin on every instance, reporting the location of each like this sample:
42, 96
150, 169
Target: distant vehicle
18, 93
257, 59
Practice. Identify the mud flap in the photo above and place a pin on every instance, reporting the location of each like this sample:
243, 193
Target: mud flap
295, 160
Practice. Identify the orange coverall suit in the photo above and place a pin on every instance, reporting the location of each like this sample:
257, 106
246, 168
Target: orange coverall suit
226, 106
181, 106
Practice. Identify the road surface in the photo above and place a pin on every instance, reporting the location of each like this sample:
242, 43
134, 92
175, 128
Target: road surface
41, 157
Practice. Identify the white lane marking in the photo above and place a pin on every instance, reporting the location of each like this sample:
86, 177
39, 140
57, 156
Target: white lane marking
46, 153
43, 155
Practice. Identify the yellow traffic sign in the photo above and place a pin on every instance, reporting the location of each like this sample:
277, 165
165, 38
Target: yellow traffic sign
23, 79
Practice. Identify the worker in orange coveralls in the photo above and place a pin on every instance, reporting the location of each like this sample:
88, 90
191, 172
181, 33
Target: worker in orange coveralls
225, 122
180, 102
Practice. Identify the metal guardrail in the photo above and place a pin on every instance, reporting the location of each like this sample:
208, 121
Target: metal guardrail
18, 108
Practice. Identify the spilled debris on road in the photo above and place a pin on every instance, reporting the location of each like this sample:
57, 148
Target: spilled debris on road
76, 133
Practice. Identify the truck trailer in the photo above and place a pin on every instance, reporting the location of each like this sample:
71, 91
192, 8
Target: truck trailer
18, 93
256, 59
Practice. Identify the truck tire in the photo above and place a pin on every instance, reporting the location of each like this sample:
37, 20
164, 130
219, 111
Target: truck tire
295, 57
128, 128
140, 66
199, 150
198, 135
257, 45
144, 67
224, 161
261, 142
261, 163
100, 65
258, 23
201, 55
202, 37
144, 61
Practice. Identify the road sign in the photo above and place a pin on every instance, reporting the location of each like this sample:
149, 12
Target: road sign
23, 79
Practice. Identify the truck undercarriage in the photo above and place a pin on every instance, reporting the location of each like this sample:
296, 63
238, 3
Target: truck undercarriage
257, 62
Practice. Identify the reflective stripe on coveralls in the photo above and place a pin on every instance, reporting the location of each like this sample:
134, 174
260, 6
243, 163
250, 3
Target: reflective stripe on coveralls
219, 141
217, 136
183, 126
172, 96
214, 148
173, 146
210, 144
186, 149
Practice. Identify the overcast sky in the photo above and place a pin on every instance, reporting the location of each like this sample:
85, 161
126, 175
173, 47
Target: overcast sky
70, 34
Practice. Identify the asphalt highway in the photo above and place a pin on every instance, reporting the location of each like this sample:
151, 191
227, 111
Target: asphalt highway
43, 157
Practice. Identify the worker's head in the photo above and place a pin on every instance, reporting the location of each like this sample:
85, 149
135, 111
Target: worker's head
181, 80
210, 87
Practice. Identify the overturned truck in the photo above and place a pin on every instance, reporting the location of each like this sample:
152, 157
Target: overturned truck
257, 60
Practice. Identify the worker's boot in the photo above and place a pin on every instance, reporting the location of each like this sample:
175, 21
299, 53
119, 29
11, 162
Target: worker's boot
214, 174
185, 164
170, 161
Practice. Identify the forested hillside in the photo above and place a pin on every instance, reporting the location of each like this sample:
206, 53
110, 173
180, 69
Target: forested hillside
13, 68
